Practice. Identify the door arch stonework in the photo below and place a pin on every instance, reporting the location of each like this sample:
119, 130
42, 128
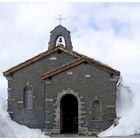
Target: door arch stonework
69, 114
81, 109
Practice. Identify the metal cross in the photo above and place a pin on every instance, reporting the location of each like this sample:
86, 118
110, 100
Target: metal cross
60, 18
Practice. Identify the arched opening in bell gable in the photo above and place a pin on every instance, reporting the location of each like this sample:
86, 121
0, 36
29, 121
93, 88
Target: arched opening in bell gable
60, 40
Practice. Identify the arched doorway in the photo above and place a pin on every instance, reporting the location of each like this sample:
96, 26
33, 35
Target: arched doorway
69, 114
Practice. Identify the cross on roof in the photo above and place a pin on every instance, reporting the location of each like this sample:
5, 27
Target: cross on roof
60, 18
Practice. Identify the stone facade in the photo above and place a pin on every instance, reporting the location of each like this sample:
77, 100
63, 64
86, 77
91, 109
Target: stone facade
86, 89
92, 83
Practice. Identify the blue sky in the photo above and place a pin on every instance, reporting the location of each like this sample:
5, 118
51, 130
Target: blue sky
109, 32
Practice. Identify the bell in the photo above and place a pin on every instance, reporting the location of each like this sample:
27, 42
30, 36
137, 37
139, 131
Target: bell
60, 40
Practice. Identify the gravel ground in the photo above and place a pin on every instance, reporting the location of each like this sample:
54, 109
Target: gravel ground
93, 136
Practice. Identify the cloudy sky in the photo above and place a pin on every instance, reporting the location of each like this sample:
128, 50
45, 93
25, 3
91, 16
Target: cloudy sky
108, 32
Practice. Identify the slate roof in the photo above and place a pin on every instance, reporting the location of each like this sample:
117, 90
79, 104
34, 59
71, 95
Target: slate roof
80, 59
76, 62
39, 57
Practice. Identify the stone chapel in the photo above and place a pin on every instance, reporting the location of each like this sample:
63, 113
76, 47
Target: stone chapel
61, 91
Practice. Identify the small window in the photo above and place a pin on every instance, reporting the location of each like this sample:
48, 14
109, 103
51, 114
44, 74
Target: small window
28, 97
96, 112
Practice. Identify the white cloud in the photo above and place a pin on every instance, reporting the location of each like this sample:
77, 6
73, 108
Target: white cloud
110, 33
107, 32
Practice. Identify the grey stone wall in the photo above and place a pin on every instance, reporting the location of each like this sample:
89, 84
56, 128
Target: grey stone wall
35, 117
87, 83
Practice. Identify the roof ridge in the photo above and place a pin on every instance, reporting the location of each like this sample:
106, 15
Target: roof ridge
75, 63
38, 57
43, 54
